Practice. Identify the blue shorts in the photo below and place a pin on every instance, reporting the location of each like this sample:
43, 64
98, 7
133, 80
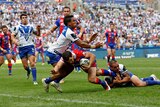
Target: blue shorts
8, 52
13, 53
52, 58
40, 50
26, 51
111, 45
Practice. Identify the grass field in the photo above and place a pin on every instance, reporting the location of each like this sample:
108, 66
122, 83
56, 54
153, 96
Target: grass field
17, 91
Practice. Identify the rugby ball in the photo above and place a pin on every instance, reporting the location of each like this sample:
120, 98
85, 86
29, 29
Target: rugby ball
84, 61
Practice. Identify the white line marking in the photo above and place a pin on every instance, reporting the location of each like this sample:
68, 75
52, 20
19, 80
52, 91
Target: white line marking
70, 100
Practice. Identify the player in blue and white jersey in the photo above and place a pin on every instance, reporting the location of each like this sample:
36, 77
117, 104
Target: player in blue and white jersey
23, 37
123, 77
64, 41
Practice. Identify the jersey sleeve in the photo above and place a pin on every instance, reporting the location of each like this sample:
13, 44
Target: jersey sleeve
57, 23
78, 53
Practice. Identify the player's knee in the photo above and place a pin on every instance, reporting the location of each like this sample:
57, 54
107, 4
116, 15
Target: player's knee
140, 84
91, 80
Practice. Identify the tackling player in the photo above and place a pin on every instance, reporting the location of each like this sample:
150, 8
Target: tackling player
64, 41
122, 77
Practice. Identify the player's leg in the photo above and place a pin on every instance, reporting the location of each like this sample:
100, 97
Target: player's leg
1, 59
104, 72
9, 57
60, 71
113, 53
109, 54
14, 56
33, 68
36, 55
24, 58
26, 66
42, 56
138, 82
95, 80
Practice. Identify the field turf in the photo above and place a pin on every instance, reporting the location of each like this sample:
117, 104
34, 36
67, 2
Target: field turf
17, 91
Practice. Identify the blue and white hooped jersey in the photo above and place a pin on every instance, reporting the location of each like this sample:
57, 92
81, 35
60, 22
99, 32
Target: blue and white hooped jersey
64, 41
24, 34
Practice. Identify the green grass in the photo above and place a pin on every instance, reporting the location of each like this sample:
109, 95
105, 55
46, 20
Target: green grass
17, 91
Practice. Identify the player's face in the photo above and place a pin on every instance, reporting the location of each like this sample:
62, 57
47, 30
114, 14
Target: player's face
66, 11
112, 26
5, 30
73, 23
71, 60
115, 67
24, 20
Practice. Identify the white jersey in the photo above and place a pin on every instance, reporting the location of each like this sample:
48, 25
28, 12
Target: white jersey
24, 34
64, 41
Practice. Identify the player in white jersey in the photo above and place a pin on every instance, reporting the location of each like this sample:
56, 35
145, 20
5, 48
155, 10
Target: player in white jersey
64, 41
24, 34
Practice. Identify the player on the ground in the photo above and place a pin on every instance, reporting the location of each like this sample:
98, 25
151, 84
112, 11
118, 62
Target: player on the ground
123, 77
64, 41
111, 41
66, 66
5, 44
23, 37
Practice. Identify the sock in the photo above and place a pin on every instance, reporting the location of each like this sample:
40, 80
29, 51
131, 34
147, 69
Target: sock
151, 82
48, 80
98, 81
113, 57
105, 72
9, 68
147, 78
58, 80
34, 74
108, 58
28, 70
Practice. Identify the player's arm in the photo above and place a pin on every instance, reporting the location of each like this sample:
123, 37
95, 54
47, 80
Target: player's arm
118, 42
126, 78
13, 39
49, 32
38, 30
91, 57
86, 45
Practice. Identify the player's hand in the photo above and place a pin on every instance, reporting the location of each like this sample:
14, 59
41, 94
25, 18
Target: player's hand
4, 51
98, 45
93, 37
85, 67
38, 27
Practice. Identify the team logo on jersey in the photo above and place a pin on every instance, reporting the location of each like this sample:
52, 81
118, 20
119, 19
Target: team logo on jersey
74, 36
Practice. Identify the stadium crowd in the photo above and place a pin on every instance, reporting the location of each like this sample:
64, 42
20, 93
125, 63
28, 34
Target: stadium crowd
135, 27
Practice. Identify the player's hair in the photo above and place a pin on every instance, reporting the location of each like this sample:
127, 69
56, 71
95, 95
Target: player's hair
23, 14
67, 19
3, 26
66, 55
66, 7
112, 62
